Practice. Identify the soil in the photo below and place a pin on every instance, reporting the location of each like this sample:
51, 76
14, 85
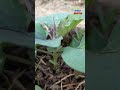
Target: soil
63, 78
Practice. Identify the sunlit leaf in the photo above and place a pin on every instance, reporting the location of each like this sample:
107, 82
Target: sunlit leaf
75, 58
40, 32
68, 24
50, 43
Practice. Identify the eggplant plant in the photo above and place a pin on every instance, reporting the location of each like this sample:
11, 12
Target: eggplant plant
74, 54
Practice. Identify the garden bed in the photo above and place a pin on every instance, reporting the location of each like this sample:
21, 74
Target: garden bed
63, 77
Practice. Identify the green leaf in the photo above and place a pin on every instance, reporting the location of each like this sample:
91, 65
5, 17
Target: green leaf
74, 43
80, 33
50, 49
82, 42
75, 58
50, 43
40, 32
69, 23
37, 87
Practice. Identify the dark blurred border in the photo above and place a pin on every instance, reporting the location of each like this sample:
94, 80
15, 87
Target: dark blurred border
17, 44
102, 44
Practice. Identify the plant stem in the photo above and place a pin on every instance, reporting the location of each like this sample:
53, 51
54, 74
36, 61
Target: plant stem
55, 58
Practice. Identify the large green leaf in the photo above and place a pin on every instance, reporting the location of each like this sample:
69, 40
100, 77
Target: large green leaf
50, 43
69, 23
75, 58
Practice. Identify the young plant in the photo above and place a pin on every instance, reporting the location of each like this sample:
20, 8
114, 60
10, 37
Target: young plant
56, 34
46, 35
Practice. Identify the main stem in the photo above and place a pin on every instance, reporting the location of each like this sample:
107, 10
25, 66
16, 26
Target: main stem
55, 57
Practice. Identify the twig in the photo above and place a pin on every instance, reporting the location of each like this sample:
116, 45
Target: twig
42, 61
39, 63
70, 85
61, 86
64, 78
80, 84
82, 76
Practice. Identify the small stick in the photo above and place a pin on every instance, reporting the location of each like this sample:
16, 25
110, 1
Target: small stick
70, 85
42, 61
82, 76
39, 63
64, 78
80, 84
61, 86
